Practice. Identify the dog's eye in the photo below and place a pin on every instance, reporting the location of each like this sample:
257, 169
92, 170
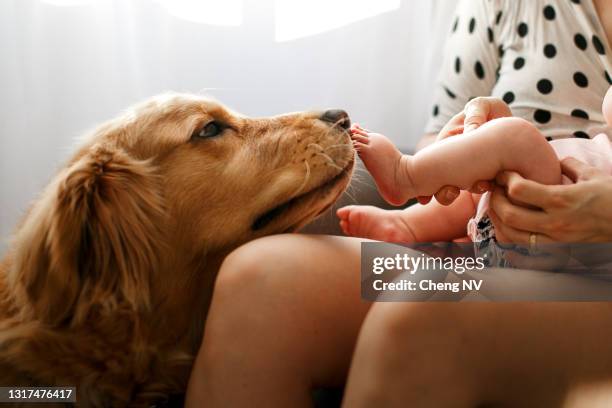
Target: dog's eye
211, 129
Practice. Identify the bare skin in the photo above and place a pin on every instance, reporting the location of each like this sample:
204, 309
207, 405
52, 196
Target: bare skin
286, 315
502, 144
273, 330
411, 351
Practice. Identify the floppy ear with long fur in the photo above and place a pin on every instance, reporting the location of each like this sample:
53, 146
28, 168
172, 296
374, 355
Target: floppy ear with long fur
91, 240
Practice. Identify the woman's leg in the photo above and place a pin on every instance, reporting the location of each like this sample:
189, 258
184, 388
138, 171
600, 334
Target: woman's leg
284, 317
474, 354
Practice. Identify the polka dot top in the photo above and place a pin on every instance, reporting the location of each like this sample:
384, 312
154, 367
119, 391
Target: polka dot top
548, 59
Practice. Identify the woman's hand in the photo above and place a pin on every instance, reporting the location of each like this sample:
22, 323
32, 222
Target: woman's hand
476, 112
579, 212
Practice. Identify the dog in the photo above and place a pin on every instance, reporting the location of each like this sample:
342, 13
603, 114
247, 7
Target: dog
108, 278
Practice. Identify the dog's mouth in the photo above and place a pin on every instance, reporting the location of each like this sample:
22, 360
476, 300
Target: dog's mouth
296, 202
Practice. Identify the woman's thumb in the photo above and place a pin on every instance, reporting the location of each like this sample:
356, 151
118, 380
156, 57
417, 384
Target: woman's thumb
475, 116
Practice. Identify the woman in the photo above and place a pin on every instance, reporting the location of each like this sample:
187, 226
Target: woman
287, 314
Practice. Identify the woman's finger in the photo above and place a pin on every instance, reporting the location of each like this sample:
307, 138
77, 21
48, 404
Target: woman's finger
423, 200
528, 192
453, 127
447, 194
505, 233
476, 113
481, 187
577, 170
483, 109
516, 216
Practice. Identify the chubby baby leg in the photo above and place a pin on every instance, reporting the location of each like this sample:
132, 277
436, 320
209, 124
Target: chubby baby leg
366, 221
501, 144
418, 223
511, 144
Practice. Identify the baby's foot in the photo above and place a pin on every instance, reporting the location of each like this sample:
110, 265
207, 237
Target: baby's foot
387, 165
366, 221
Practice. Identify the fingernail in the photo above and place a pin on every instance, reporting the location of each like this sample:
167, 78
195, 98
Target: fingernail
451, 195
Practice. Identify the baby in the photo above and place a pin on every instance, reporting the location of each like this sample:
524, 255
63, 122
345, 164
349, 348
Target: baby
501, 144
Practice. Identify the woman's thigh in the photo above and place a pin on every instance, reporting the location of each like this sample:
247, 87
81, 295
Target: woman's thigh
466, 354
288, 306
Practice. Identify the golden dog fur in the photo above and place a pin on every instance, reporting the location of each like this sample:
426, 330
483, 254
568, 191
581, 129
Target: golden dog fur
109, 276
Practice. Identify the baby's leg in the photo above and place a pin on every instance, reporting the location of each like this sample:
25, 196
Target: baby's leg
419, 223
501, 144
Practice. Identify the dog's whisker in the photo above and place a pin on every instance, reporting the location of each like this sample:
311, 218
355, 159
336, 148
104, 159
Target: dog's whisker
336, 146
306, 179
330, 161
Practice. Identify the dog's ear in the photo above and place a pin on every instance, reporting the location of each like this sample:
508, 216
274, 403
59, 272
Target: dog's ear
92, 239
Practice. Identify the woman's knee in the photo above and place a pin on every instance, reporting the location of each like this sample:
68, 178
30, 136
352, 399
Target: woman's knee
237, 287
244, 270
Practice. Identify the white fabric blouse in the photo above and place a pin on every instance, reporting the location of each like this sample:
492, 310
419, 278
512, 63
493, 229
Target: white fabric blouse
548, 59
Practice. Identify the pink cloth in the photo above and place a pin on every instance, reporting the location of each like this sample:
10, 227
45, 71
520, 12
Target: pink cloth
597, 152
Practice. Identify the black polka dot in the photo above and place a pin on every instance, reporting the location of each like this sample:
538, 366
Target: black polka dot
581, 134
549, 13
608, 78
498, 17
472, 25
522, 29
580, 41
581, 80
508, 97
479, 70
497, 74
599, 47
579, 113
576, 1
490, 34
500, 51
519, 63
550, 51
548, 138
545, 86
450, 93
457, 65
436, 110
455, 24
541, 116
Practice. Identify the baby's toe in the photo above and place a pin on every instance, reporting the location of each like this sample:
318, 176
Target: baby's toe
360, 138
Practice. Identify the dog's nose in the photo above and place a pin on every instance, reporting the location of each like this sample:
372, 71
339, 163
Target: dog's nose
337, 116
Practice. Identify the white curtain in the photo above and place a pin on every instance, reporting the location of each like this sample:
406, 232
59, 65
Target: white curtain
69, 64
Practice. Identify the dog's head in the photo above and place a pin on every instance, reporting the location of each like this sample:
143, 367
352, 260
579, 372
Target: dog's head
178, 175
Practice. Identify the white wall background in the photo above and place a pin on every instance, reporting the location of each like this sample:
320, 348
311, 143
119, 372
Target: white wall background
66, 65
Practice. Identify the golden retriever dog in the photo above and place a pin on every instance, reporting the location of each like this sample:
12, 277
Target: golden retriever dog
108, 279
